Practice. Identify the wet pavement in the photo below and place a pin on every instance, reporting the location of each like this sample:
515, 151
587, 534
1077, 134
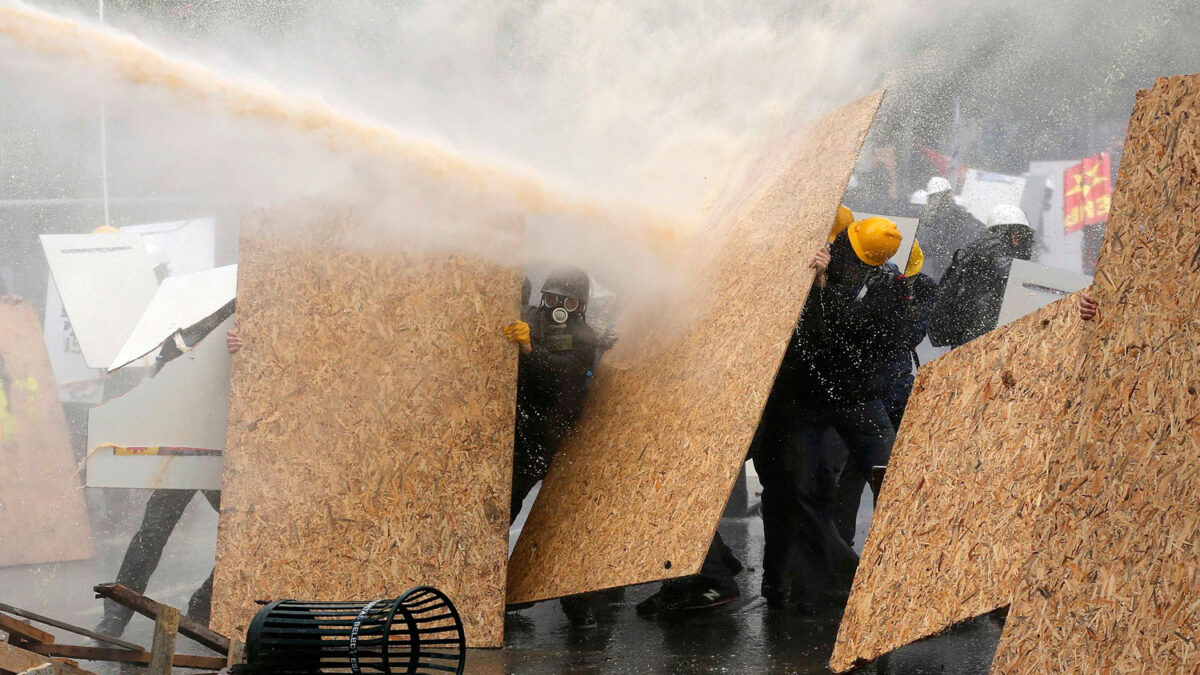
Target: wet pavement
744, 637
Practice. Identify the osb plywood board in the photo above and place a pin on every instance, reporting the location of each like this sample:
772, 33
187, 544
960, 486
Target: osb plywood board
42, 513
1116, 587
636, 492
951, 531
370, 424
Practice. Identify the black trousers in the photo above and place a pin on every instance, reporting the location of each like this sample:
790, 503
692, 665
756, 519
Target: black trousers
535, 443
163, 511
806, 561
720, 564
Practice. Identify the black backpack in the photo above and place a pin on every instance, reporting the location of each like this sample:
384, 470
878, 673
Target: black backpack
956, 312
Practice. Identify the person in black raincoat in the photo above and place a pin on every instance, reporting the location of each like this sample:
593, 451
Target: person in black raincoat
972, 290
850, 321
557, 353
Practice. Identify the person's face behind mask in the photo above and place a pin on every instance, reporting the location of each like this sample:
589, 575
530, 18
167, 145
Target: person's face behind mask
846, 272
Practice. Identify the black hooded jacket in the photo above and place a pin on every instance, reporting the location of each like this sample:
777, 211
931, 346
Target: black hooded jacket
840, 342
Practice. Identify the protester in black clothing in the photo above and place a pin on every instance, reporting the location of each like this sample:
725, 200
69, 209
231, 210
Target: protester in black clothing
893, 381
558, 352
716, 583
849, 323
972, 290
944, 227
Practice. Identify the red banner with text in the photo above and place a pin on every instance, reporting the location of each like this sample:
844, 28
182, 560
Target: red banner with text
1087, 193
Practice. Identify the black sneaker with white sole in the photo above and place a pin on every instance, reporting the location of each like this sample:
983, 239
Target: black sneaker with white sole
688, 595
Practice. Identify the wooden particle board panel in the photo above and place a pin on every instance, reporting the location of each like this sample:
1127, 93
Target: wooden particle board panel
370, 425
42, 513
636, 492
951, 532
1114, 585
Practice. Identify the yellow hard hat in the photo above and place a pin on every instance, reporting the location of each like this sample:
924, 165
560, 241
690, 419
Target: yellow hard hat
874, 239
916, 260
106, 229
841, 221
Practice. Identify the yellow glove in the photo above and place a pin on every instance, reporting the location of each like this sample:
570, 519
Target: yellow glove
518, 332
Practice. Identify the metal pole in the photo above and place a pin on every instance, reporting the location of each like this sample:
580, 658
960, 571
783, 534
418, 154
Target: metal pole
104, 137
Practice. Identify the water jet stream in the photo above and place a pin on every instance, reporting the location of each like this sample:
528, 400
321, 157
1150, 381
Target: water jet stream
125, 56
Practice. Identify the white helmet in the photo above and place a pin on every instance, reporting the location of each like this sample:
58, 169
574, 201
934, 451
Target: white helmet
937, 184
1007, 214
919, 197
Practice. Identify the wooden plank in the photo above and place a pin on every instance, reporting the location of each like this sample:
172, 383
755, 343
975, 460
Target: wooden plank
39, 488
162, 649
1113, 586
636, 492
149, 608
24, 631
951, 530
237, 651
370, 424
14, 659
128, 656
71, 628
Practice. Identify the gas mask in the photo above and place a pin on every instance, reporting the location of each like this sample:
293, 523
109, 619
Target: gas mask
559, 309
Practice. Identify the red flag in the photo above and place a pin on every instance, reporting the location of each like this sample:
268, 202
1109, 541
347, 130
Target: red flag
1087, 193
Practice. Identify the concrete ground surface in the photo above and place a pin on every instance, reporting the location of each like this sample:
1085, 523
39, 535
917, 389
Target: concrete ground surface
744, 637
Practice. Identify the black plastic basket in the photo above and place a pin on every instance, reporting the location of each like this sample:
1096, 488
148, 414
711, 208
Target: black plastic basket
418, 632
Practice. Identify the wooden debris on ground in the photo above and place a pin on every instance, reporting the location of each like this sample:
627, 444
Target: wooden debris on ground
965, 484
636, 493
44, 516
370, 424
188, 627
32, 648
15, 660
1114, 584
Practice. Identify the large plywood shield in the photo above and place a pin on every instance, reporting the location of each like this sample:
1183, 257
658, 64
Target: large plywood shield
370, 423
1112, 585
44, 518
951, 529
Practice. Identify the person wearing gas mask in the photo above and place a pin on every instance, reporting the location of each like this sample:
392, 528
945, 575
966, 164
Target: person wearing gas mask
972, 290
557, 354
850, 321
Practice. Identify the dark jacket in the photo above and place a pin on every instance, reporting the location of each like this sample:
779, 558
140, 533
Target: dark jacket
839, 345
552, 381
944, 228
895, 378
970, 297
